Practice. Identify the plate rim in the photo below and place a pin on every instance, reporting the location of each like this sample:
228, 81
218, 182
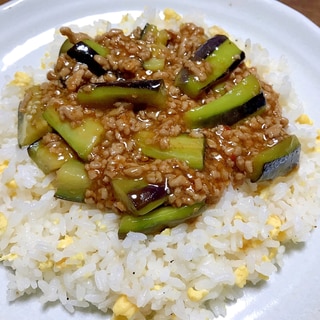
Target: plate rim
307, 24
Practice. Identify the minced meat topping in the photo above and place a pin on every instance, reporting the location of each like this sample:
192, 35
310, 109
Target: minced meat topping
228, 149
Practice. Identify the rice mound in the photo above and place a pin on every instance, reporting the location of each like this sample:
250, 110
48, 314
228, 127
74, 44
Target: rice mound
71, 253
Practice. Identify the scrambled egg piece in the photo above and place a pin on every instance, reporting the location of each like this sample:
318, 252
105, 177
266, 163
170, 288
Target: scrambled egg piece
101, 226
76, 259
239, 216
263, 277
171, 14
3, 166
276, 222
46, 265
157, 287
276, 233
21, 79
123, 309
196, 295
272, 254
166, 232
3, 223
317, 148
251, 243
241, 274
9, 257
304, 119
56, 221
66, 241
61, 264
12, 185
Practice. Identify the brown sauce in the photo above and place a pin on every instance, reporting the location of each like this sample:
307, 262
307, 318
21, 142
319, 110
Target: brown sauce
228, 150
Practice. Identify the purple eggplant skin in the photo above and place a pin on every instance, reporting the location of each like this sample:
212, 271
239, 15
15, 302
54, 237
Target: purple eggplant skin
204, 51
222, 55
85, 54
148, 194
138, 92
208, 47
154, 85
247, 109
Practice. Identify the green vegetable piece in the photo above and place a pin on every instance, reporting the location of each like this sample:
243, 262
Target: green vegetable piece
98, 48
222, 55
52, 155
121, 188
137, 92
31, 124
244, 99
182, 147
82, 138
158, 219
83, 53
158, 36
154, 64
147, 199
159, 40
276, 161
66, 45
72, 181
138, 196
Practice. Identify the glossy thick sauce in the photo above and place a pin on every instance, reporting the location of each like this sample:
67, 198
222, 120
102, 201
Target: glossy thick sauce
228, 150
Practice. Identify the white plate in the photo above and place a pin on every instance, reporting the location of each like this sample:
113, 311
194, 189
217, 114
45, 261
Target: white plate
28, 26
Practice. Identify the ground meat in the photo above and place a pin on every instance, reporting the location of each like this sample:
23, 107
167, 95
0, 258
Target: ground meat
228, 150
72, 36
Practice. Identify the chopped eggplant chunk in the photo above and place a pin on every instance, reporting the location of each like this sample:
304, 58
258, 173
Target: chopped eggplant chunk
154, 64
221, 54
31, 124
158, 219
276, 161
121, 187
102, 51
152, 195
98, 48
243, 100
138, 196
83, 53
139, 92
151, 33
50, 153
209, 47
72, 181
66, 45
81, 138
158, 40
182, 147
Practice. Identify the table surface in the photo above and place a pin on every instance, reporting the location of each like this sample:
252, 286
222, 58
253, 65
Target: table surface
310, 8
